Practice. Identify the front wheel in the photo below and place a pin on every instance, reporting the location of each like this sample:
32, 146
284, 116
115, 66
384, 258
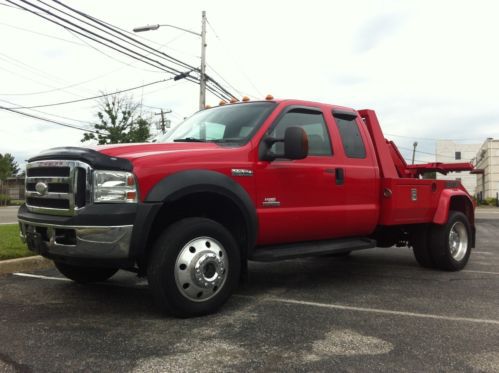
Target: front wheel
194, 267
450, 244
85, 275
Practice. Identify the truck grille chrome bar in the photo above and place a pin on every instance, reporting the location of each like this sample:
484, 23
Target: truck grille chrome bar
58, 187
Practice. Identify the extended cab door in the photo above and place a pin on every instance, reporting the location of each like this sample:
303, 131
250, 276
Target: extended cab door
356, 157
300, 200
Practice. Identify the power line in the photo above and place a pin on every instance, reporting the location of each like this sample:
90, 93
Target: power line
36, 32
220, 87
94, 97
215, 91
113, 29
224, 80
115, 46
22, 65
216, 88
428, 138
47, 120
16, 106
234, 60
33, 80
48, 75
109, 56
428, 153
7, 5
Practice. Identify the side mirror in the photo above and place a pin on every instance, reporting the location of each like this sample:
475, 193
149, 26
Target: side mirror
295, 143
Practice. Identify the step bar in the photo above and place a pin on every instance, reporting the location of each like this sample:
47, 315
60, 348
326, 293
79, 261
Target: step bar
313, 248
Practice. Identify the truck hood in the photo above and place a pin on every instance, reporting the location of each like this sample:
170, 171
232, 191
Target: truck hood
122, 156
139, 150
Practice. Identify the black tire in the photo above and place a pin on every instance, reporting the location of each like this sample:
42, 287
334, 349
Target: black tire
84, 275
458, 230
183, 252
421, 246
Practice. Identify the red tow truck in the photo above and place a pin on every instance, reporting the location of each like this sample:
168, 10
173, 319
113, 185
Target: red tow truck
265, 180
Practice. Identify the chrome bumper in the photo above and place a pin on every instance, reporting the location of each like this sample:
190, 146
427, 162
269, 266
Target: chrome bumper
93, 242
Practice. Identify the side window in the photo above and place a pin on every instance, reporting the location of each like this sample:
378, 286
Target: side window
312, 123
350, 137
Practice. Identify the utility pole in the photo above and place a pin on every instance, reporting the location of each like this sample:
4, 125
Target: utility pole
163, 122
202, 83
202, 70
414, 151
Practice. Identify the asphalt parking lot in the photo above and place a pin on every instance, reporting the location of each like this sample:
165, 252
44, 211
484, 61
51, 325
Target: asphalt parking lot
374, 311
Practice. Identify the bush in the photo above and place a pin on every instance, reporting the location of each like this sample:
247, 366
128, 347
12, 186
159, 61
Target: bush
16, 202
490, 201
4, 200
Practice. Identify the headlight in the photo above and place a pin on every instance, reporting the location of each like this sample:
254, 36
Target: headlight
114, 186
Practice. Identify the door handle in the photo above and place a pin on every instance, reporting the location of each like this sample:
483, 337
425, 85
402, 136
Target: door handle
339, 176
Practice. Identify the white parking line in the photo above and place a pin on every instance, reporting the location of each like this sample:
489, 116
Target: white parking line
383, 311
483, 252
318, 304
14, 222
138, 285
484, 272
40, 276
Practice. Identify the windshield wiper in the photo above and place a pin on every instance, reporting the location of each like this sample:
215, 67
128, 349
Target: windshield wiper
189, 139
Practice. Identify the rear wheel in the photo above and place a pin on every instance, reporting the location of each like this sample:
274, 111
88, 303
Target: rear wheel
194, 267
451, 243
85, 275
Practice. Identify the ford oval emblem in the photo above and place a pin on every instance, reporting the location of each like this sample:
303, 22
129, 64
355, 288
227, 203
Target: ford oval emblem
41, 188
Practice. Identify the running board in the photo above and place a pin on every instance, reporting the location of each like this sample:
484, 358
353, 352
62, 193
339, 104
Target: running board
312, 248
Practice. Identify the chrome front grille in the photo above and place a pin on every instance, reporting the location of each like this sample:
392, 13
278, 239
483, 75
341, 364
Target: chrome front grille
58, 187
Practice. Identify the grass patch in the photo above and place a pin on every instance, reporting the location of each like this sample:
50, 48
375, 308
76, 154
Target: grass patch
10, 244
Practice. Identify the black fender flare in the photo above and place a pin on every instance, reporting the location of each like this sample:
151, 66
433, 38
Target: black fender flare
183, 183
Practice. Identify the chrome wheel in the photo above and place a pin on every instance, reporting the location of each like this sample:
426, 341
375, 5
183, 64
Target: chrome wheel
458, 241
201, 269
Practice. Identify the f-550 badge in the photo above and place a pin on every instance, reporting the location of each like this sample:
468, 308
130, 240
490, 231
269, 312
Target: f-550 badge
241, 172
271, 202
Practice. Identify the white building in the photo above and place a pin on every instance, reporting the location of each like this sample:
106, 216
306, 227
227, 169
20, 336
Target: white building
487, 164
449, 151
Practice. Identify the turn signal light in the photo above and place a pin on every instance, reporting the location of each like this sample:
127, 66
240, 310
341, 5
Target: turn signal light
246, 99
222, 103
269, 97
233, 100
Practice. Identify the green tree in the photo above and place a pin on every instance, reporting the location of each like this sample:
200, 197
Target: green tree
4, 168
10, 162
4, 174
120, 122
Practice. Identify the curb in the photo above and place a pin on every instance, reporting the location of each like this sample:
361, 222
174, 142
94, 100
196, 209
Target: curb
31, 263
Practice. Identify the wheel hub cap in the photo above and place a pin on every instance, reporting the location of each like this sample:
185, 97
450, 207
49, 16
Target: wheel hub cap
201, 269
208, 270
458, 241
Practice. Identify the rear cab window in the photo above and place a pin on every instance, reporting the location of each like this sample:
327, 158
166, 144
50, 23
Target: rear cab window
351, 138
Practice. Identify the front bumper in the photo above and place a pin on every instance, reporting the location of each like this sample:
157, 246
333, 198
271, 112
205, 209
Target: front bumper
99, 232
99, 242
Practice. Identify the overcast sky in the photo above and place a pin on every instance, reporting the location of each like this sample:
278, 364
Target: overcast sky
429, 68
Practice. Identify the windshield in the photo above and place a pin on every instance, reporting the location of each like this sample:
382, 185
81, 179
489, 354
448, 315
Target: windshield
223, 124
